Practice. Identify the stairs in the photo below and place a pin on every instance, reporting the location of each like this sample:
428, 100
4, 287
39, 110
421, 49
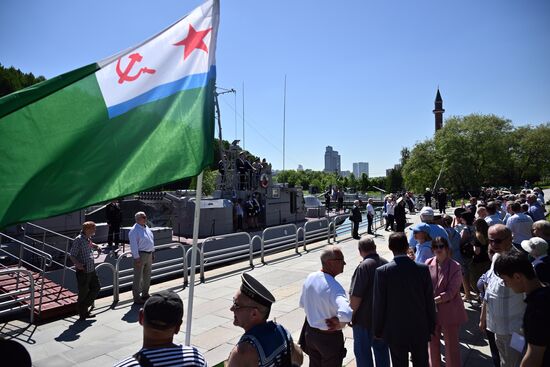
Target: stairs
56, 300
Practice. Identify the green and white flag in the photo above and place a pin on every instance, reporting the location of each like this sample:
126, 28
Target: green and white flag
142, 118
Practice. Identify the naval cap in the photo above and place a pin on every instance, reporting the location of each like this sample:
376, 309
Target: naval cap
256, 291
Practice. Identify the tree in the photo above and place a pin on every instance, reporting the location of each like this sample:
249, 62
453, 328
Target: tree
364, 182
478, 150
12, 80
394, 181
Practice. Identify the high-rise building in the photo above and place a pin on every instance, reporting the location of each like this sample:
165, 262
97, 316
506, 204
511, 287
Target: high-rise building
300, 167
332, 160
359, 168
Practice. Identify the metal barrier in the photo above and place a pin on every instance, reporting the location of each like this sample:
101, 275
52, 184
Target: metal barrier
157, 270
279, 243
64, 253
17, 292
315, 230
115, 279
377, 222
44, 258
345, 226
218, 256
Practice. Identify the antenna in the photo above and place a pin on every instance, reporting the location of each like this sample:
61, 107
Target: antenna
284, 124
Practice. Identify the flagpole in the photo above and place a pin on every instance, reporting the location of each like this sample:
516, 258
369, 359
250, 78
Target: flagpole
193, 260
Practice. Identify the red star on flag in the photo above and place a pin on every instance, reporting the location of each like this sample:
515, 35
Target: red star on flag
193, 41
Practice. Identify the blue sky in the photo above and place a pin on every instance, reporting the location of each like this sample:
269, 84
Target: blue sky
361, 75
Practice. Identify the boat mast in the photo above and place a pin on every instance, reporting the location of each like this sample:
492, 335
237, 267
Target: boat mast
284, 124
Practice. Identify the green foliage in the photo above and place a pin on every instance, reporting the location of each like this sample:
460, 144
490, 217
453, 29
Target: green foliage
12, 80
323, 180
479, 150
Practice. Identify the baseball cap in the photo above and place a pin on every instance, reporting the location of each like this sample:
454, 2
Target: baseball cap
535, 246
163, 310
422, 227
427, 212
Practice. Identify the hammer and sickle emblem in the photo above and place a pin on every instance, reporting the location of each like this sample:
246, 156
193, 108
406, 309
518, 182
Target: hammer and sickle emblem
125, 75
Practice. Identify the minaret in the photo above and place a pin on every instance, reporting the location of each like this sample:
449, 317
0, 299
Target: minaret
438, 111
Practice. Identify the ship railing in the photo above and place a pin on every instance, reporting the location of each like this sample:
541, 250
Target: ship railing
344, 227
288, 240
316, 230
113, 286
159, 269
17, 296
44, 260
64, 253
211, 252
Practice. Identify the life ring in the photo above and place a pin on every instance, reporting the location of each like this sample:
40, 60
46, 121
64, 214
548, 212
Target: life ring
264, 181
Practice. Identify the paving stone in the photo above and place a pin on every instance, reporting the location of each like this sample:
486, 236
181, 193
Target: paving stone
115, 333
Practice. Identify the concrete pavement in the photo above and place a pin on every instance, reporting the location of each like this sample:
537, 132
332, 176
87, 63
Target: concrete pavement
115, 333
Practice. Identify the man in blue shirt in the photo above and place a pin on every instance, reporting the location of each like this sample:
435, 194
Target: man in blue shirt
142, 245
536, 211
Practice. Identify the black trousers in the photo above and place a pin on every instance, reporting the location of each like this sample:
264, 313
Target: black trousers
354, 229
114, 232
88, 289
325, 349
389, 221
400, 354
370, 218
399, 226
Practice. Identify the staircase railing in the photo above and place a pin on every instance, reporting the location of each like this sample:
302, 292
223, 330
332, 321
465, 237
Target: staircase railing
62, 252
44, 259
14, 300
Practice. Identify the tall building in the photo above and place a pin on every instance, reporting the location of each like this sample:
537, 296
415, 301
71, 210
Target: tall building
359, 168
438, 111
300, 167
332, 160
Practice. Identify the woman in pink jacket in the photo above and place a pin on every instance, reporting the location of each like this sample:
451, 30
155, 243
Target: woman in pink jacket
446, 279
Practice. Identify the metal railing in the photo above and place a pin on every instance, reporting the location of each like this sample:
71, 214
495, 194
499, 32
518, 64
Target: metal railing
209, 256
14, 299
45, 260
316, 230
115, 279
158, 269
63, 253
335, 231
279, 243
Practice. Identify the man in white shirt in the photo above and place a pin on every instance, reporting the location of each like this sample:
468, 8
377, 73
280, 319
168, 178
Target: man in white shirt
520, 224
142, 245
370, 216
493, 216
327, 309
502, 310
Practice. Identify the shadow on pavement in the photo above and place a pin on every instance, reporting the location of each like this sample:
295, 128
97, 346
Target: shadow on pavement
72, 333
21, 333
133, 314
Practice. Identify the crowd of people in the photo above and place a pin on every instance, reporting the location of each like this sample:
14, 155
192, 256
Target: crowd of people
249, 171
492, 253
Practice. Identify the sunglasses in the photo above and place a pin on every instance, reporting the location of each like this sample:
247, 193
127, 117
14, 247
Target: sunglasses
440, 247
496, 240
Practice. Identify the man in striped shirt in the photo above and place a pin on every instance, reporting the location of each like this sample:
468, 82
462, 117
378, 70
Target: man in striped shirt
161, 318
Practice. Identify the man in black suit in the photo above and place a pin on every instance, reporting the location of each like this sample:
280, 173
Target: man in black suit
355, 219
404, 309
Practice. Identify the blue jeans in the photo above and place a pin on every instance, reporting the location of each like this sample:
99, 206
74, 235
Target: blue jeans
362, 343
